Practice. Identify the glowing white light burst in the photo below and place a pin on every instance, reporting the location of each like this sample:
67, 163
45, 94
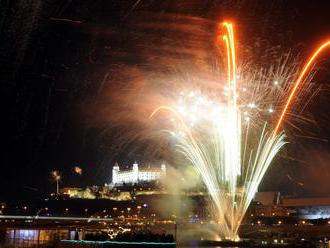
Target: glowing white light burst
227, 141
209, 136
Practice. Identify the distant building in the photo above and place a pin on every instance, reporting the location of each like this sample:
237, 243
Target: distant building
268, 198
270, 204
309, 207
73, 192
136, 175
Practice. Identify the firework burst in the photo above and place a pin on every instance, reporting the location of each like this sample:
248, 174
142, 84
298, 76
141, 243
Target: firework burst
231, 137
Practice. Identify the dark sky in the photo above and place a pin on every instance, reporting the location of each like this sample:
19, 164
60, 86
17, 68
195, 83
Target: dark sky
54, 56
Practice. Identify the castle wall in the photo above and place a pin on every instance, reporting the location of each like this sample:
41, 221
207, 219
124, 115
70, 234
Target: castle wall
135, 175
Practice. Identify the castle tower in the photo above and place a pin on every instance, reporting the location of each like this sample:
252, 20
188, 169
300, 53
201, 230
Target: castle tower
115, 172
135, 173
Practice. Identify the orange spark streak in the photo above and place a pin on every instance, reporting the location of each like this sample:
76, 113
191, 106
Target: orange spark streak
163, 108
225, 38
230, 31
231, 58
304, 72
173, 111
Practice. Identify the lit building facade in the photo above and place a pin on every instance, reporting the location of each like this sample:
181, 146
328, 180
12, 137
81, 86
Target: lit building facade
136, 175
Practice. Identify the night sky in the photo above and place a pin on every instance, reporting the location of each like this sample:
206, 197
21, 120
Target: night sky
58, 61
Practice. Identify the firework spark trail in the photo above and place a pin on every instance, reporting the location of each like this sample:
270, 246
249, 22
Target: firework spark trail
211, 137
232, 163
302, 75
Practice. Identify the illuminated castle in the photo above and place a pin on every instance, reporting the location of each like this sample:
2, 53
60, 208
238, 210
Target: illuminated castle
136, 175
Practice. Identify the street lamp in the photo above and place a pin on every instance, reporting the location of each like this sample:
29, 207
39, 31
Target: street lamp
40, 210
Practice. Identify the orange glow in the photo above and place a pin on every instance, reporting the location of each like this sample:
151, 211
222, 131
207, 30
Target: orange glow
304, 72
